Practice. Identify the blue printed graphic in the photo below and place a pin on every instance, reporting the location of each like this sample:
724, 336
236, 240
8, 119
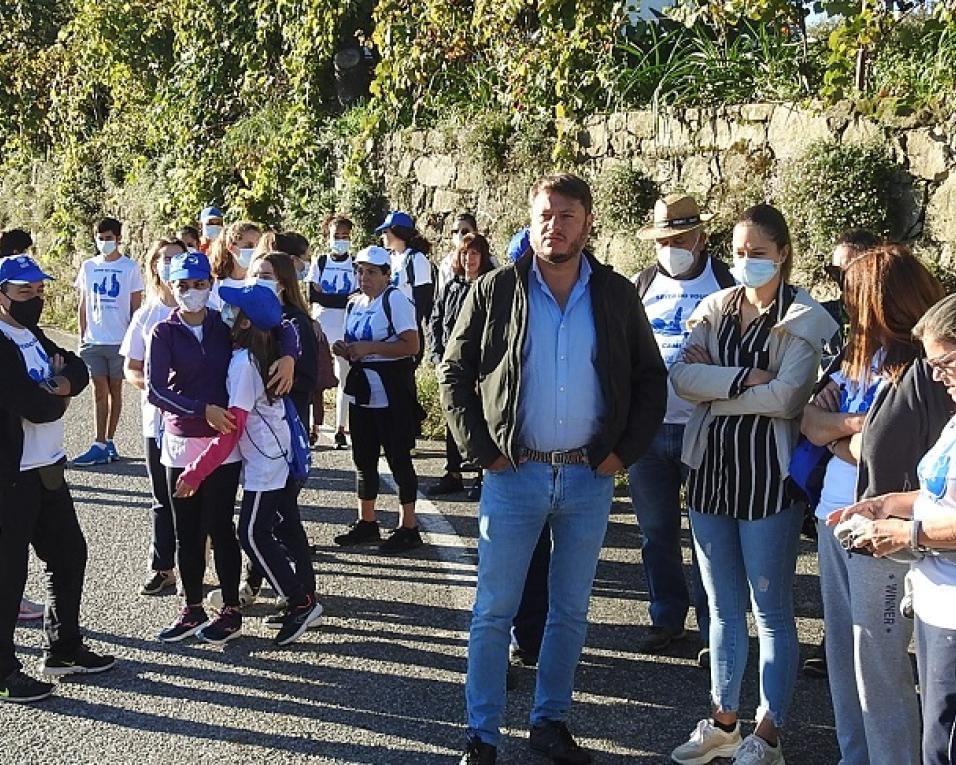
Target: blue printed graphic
340, 284
39, 375
669, 327
101, 288
936, 476
359, 327
865, 403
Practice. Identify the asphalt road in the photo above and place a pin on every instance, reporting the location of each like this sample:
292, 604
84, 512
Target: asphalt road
381, 680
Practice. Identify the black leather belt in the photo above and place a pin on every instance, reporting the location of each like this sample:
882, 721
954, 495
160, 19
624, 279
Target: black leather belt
577, 456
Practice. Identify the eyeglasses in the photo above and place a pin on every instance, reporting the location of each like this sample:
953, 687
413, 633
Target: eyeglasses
943, 363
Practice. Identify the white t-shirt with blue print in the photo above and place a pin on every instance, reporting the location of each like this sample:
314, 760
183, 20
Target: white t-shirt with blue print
934, 579
42, 442
366, 321
334, 278
839, 483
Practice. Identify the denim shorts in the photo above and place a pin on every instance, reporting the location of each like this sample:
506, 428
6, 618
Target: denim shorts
102, 360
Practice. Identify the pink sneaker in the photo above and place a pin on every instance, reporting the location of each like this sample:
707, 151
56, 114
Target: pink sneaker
30, 611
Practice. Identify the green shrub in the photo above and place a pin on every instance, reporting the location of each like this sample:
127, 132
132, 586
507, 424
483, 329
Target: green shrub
833, 187
427, 379
625, 197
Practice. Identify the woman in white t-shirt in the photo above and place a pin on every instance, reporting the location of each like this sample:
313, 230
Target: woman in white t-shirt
159, 305
270, 529
876, 710
230, 256
381, 340
411, 270
923, 523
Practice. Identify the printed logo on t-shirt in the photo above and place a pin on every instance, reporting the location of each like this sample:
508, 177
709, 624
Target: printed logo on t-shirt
337, 281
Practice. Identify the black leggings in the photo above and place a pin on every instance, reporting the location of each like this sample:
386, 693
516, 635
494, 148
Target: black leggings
163, 546
372, 430
207, 513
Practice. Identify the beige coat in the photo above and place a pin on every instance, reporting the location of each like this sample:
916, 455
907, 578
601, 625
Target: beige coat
796, 344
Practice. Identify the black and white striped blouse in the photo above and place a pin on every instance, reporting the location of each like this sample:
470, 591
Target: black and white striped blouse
740, 474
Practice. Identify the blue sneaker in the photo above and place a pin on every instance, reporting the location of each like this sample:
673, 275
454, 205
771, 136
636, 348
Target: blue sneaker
111, 451
95, 455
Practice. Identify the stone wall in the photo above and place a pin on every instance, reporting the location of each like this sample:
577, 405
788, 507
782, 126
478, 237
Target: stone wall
723, 156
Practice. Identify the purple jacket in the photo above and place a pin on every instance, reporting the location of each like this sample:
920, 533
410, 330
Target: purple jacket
185, 375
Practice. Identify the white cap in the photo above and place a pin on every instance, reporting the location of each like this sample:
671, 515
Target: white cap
377, 256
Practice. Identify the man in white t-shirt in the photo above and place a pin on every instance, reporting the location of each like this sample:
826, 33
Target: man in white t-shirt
683, 274
111, 289
36, 508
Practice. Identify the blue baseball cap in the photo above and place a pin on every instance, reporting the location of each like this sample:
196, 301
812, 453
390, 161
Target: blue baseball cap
520, 243
396, 218
189, 265
21, 269
210, 212
258, 303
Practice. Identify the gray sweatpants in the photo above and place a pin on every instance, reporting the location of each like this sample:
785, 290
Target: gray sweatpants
867, 641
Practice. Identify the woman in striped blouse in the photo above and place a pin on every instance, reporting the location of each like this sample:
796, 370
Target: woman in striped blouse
749, 365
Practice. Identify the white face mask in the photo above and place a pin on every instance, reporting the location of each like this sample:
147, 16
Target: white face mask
106, 246
676, 260
341, 246
244, 258
192, 300
456, 239
211, 230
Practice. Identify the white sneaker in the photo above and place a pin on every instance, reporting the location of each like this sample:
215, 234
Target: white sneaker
755, 751
707, 742
247, 596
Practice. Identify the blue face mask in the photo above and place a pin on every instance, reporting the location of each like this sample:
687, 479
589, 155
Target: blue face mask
302, 273
164, 272
244, 257
754, 272
341, 246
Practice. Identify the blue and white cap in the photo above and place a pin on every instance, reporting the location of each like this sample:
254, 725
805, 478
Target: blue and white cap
189, 265
21, 269
210, 212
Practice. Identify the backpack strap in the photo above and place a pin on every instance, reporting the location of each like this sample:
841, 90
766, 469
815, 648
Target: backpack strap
387, 308
323, 259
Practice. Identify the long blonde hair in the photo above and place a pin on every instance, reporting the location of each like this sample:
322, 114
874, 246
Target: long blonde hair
154, 287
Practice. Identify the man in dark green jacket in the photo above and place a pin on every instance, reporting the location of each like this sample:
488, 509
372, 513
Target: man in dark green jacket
551, 380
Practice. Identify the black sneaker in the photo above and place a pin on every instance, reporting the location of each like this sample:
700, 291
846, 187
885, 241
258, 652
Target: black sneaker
447, 484
159, 581
659, 639
190, 620
360, 533
225, 627
340, 441
478, 753
19, 688
297, 620
81, 662
521, 656
401, 539
816, 665
553, 739
474, 493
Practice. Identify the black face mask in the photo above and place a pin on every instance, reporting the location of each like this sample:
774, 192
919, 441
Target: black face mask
26, 312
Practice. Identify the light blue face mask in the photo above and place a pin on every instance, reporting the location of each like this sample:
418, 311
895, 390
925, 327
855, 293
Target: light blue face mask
341, 246
228, 314
244, 257
302, 273
164, 271
269, 283
754, 272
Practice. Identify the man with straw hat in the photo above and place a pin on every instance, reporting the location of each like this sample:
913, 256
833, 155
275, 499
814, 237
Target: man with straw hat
682, 275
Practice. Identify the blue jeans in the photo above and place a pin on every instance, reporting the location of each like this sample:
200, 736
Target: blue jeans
936, 660
755, 561
656, 480
515, 504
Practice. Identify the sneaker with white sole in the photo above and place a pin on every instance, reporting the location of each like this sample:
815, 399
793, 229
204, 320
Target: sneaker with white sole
225, 627
297, 620
755, 751
707, 742
247, 597
82, 661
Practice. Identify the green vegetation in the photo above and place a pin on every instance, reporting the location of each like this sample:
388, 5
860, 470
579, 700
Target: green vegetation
151, 109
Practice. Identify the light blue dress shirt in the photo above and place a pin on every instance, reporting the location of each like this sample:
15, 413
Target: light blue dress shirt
560, 404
